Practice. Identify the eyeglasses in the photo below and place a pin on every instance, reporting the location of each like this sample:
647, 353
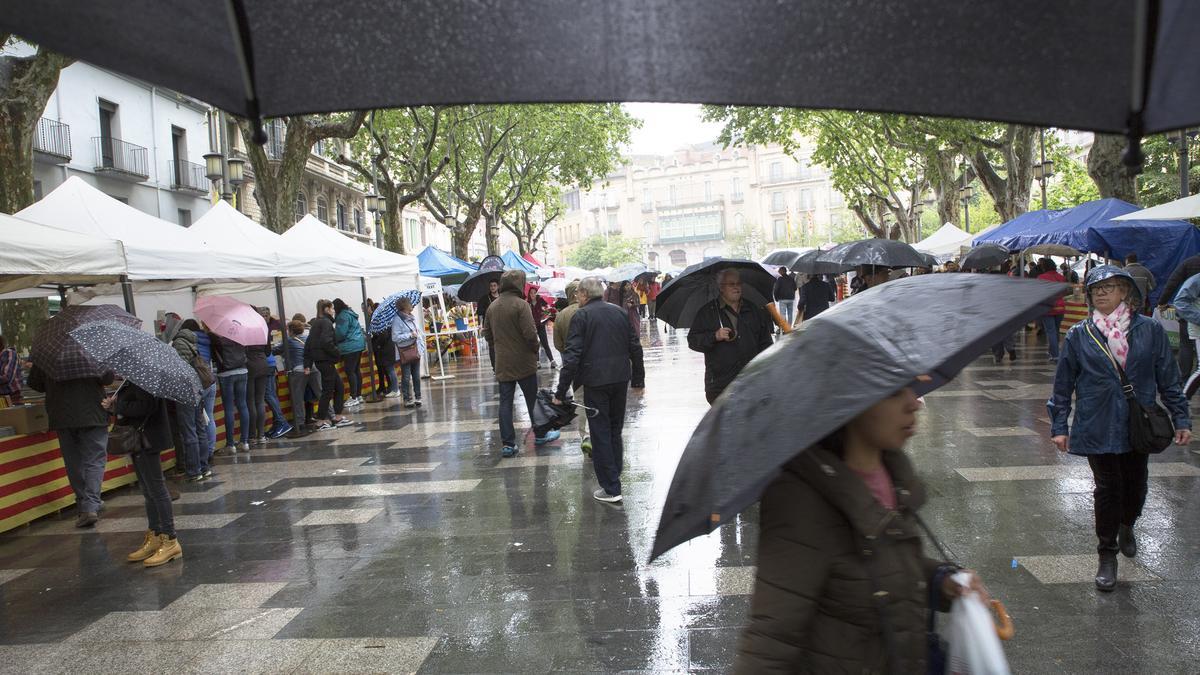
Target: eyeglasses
1105, 289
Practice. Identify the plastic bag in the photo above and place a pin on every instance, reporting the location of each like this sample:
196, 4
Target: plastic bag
974, 646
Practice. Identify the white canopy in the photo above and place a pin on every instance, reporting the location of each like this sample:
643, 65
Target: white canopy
35, 254
1180, 209
311, 234
948, 240
154, 248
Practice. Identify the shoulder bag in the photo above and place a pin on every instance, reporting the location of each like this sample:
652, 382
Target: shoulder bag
1150, 427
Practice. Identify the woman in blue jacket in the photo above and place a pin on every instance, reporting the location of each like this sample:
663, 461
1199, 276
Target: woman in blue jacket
1101, 426
350, 343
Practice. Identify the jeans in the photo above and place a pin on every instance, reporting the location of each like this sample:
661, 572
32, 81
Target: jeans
1120, 493
1193, 381
653, 309
385, 363
233, 397
608, 450
277, 418
410, 380
639, 367
150, 478
508, 435
194, 432
84, 452
787, 310
331, 390
541, 331
257, 396
350, 364
1051, 326
297, 383
210, 403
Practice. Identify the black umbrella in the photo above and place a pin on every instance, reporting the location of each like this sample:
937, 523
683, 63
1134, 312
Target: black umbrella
246, 57
984, 257
625, 273
782, 258
851, 356
808, 264
931, 260
151, 364
57, 353
547, 416
696, 286
877, 252
476, 285
647, 277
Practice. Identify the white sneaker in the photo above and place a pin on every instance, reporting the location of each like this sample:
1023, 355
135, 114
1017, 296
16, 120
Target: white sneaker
392, 394
602, 496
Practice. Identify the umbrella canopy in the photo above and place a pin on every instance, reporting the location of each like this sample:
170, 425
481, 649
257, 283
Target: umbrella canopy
782, 258
646, 277
59, 355
476, 285
556, 286
626, 273
492, 262
718, 51
1180, 209
852, 356
931, 260
696, 286
233, 319
983, 257
142, 359
878, 252
809, 264
381, 318
547, 416
1060, 250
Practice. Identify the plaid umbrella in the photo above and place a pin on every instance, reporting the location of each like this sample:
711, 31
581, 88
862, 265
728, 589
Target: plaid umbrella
58, 354
381, 319
149, 363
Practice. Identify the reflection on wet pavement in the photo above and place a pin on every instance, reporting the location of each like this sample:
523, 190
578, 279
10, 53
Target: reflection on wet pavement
407, 543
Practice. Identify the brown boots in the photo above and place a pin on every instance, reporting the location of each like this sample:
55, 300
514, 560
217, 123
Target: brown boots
157, 549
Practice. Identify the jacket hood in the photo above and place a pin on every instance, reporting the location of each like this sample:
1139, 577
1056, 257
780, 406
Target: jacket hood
185, 334
348, 311
831, 478
1105, 272
513, 281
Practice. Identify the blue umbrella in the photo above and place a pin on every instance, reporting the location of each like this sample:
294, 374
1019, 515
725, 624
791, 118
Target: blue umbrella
381, 319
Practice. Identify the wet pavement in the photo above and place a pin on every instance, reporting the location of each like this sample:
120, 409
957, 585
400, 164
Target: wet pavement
407, 544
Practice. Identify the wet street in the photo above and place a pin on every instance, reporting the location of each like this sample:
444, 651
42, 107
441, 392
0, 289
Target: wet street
406, 544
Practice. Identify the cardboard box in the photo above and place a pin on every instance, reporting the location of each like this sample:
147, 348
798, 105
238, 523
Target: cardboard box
26, 419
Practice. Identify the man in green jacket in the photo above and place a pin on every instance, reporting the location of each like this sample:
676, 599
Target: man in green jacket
562, 328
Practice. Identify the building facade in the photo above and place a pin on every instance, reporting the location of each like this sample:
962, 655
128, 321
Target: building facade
695, 203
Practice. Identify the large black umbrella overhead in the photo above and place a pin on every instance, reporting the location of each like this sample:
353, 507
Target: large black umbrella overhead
809, 264
273, 58
877, 252
476, 285
851, 356
983, 257
151, 364
59, 355
696, 286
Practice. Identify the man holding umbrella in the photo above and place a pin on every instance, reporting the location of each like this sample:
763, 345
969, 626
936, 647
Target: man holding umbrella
730, 332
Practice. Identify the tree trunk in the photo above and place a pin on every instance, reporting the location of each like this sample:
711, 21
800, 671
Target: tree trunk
26, 84
393, 218
460, 239
1010, 193
20, 318
491, 230
945, 188
1104, 166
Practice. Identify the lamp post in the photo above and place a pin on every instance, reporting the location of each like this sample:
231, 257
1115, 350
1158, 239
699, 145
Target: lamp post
1043, 170
1180, 140
918, 209
219, 167
965, 193
377, 205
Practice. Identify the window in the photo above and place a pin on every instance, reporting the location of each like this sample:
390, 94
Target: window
341, 216
185, 217
736, 190
776, 170
690, 226
671, 196
646, 200
571, 200
678, 258
708, 195
777, 202
322, 210
613, 226
358, 221
178, 155
836, 198
108, 132
319, 147
234, 135
414, 231
301, 206
806, 200
737, 154
276, 132
780, 228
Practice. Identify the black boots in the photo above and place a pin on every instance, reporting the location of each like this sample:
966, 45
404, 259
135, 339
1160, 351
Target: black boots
1106, 575
1126, 541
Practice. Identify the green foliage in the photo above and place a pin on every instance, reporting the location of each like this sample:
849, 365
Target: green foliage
596, 251
741, 242
1070, 186
1159, 180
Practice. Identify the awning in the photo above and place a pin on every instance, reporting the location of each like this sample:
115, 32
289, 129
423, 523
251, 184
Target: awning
34, 254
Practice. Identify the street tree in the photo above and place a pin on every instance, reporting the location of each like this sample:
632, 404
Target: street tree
279, 164
1112, 177
1159, 181
599, 251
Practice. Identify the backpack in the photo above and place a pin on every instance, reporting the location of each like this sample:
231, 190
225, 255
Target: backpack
203, 370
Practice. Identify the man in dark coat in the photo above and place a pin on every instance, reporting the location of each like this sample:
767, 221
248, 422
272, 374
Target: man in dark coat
481, 309
785, 294
1187, 269
815, 297
730, 332
74, 412
598, 356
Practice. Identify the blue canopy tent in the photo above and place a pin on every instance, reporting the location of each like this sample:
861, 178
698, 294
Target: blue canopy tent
1159, 244
513, 261
434, 262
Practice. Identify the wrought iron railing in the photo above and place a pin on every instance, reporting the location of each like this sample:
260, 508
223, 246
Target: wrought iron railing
187, 175
52, 138
114, 154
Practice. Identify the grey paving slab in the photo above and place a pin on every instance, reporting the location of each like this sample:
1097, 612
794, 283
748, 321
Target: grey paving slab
227, 596
721, 581
376, 655
9, 575
338, 517
111, 525
379, 489
190, 623
985, 432
1079, 569
1065, 471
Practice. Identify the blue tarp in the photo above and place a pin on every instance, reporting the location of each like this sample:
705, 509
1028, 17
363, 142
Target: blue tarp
1161, 245
513, 261
435, 262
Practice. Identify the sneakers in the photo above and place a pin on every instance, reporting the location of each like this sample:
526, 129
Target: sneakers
324, 426
168, 550
279, 430
343, 422
244, 447
86, 519
148, 548
417, 401
586, 446
392, 394
508, 451
409, 403
602, 495
195, 479
354, 402
208, 473
550, 437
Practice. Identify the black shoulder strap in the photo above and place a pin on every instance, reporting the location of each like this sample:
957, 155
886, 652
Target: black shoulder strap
1126, 387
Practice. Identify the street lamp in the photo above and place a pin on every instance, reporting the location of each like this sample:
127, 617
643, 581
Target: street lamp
1180, 140
965, 194
212, 164
918, 209
218, 165
237, 167
1042, 171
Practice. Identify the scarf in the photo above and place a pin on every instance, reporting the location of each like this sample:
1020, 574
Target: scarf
1115, 327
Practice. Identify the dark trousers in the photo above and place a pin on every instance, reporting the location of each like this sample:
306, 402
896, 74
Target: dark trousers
1120, 493
492, 356
350, 363
385, 363
639, 368
1187, 349
1009, 344
331, 390
297, 383
608, 450
410, 378
150, 478
1051, 325
541, 330
84, 455
272, 397
257, 401
528, 385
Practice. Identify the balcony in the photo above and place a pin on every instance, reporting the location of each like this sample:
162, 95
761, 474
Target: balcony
187, 176
52, 141
121, 160
737, 198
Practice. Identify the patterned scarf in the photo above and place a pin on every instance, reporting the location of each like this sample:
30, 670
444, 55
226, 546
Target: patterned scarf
1115, 327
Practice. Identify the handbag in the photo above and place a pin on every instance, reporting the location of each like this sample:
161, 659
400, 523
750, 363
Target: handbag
409, 354
125, 439
1150, 427
203, 371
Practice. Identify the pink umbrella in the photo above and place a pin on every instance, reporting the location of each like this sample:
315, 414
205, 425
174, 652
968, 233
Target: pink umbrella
232, 319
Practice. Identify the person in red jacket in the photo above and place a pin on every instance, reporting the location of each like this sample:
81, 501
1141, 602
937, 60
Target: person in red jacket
542, 312
1052, 321
652, 290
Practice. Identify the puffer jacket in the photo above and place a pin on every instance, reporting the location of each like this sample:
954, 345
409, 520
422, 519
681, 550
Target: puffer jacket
349, 333
320, 345
1187, 301
185, 345
510, 330
1101, 423
813, 608
228, 356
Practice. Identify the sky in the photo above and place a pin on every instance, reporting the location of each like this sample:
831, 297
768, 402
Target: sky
667, 126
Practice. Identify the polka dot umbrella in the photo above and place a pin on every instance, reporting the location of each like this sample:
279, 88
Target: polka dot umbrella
57, 354
381, 320
142, 359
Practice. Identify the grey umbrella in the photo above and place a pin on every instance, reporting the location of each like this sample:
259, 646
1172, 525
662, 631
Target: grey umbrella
983, 257
139, 357
808, 264
851, 356
59, 355
877, 252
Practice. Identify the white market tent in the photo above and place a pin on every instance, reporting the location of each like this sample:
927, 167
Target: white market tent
947, 241
1180, 209
35, 254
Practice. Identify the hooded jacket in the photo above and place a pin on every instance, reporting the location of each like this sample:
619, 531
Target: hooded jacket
228, 355
510, 330
349, 333
320, 345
